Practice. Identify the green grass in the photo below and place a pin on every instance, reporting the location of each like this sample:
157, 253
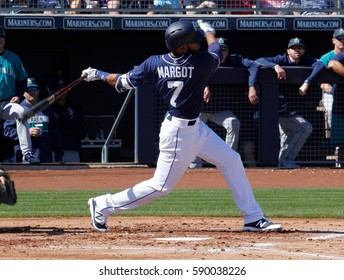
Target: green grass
284, 203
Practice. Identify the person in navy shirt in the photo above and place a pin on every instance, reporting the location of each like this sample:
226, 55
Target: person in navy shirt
71, 121
180, 77
294, 128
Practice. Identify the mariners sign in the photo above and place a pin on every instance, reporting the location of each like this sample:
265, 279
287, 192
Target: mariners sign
146, 22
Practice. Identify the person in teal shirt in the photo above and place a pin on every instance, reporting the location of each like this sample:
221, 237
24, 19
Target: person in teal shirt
328, 89
12, 72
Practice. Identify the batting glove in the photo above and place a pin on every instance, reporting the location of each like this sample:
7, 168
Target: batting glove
91, 74
206, 27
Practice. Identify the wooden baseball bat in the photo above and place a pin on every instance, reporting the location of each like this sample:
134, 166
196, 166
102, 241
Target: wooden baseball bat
46, 102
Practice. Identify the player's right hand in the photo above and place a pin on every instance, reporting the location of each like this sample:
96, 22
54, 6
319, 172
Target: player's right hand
91, 74
206, 27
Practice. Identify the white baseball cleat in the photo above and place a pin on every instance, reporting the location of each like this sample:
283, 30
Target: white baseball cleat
98, 221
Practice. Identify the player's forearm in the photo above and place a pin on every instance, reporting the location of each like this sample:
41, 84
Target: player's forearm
210, 38
317, 68
111, 79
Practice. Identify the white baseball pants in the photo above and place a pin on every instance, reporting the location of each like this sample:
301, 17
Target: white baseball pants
179, 145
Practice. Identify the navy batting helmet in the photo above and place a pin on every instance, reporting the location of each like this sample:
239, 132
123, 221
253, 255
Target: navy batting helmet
182, 32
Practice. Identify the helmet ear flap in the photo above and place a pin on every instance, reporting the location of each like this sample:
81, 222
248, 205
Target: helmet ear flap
167, 45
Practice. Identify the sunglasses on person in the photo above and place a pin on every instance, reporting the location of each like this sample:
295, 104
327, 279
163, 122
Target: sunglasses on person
32, 89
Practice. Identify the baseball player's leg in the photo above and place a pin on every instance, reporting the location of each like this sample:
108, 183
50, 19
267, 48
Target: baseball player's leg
217, 152
198, 162
173, 160
285, 136
328, 102
300, 129
231, 123
14, 111
24, 137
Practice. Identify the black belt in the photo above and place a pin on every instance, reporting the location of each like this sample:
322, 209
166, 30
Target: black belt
190, 123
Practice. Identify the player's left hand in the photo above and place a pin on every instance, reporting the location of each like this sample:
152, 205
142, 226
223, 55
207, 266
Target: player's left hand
206, 27
91, 74
15, 99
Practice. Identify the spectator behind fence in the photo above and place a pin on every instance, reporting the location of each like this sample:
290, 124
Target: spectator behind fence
112, 5
49, 6
166, 7
15, 6
294, 129
226, 118
328, 89
12, 81
71, 121
95, 5
250, 7
309, 7
44, 130
138, 4
199, 4
73, 4
336, 64
232, 7
272, 7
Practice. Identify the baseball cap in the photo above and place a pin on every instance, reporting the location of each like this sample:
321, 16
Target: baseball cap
223, 42
31, 83
296, 42
339, 32
2, 31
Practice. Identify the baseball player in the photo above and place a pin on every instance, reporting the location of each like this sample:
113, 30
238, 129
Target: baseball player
12, 71
180, 76
336, 64
294, 129
328, 89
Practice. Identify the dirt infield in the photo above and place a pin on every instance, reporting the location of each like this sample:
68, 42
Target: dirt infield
134, 238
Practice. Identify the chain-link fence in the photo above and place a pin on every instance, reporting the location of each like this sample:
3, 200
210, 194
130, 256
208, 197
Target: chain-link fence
188, 7
318, 149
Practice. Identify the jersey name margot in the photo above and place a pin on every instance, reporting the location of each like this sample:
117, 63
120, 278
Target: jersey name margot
175, 71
